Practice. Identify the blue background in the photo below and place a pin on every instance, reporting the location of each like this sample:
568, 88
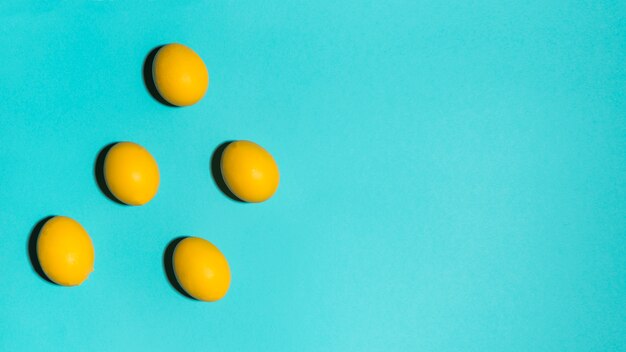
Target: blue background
453, 174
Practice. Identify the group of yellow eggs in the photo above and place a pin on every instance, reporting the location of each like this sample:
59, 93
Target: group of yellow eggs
64, 249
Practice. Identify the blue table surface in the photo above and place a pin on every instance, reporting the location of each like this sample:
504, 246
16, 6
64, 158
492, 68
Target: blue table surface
453, 174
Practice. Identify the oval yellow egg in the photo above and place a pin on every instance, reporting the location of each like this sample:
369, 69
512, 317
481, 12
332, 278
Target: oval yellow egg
131, 173
249, 171
201, 269
179, 75
65, 251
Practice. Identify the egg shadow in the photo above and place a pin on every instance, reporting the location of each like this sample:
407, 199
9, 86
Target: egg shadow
168, 266
32, 249
216, 172
148, 78
99, 173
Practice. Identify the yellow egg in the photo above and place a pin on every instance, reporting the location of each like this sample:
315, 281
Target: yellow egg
201, 269
65, 251
249, 171
131, 173
179, 75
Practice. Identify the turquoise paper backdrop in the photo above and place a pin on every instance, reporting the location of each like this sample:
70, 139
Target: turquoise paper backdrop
453, 174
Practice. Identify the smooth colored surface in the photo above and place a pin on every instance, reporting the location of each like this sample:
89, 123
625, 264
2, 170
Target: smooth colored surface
201, 269
131, 173
249, 171
452, 174
65, 251
180, 75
